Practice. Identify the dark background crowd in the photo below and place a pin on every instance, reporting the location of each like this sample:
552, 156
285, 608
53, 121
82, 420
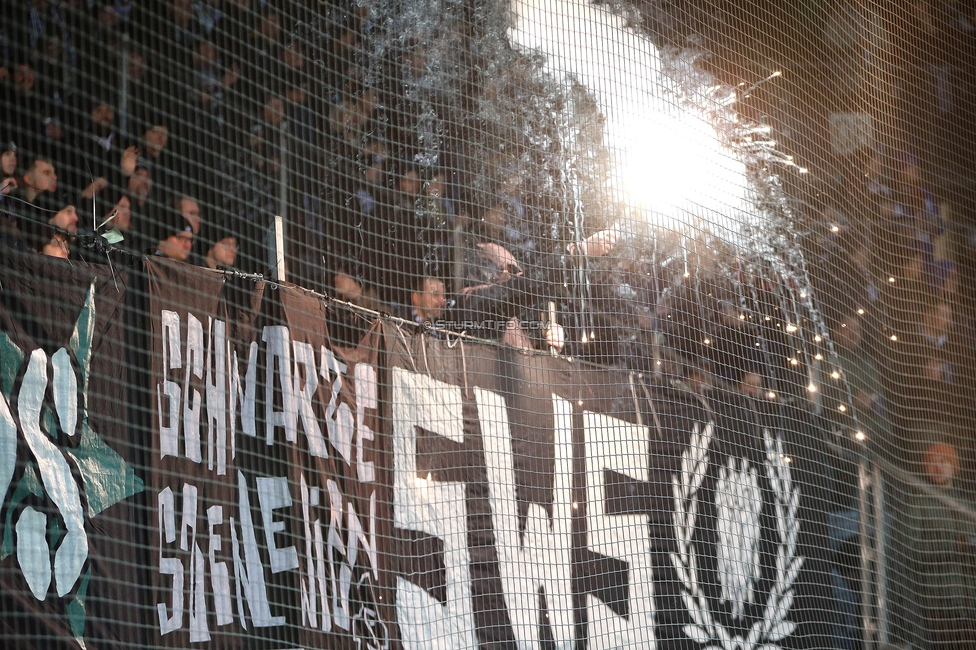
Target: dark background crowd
182, 128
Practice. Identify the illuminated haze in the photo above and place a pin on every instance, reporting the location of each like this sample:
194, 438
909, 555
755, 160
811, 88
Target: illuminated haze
668, 160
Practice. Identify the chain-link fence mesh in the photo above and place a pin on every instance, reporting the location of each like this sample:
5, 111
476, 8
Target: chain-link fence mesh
487, 324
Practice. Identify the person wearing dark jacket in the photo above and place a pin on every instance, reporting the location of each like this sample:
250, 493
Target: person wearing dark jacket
174, 235
935, 540
496, 296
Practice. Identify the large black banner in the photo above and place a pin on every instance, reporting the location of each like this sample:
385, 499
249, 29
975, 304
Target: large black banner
407, 492
262, 469
538, 503
68, 551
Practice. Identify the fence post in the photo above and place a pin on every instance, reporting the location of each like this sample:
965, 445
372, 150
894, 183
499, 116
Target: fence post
881, 544
276, 249
874, 602
867, 617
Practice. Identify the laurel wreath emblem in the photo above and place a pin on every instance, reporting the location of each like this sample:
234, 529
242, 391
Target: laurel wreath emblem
773, 627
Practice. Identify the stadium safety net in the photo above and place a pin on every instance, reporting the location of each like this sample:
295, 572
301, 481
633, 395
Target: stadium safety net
487, 324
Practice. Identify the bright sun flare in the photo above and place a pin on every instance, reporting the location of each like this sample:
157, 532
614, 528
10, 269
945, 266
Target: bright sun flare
668, 161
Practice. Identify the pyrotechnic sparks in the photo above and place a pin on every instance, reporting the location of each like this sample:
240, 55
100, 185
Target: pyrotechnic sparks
669, 160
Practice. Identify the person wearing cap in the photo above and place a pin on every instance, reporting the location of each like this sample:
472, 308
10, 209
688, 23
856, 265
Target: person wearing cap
220, 241
175, 235
936, 540
55, 240
222, 254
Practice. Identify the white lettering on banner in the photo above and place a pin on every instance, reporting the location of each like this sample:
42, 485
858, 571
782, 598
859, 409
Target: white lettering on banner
33, 553
249, 572
172, 566
316, 581
330, 559
365, 377
433, 507
219, 575
169, 433
323, 600
369, 539
320, 562
69, 558
307, 582
273, 495
191, 396
291, 367
306, 383
619, 446
338, 417
278, 354
217, 396
65, 391
340, 597
198, 602
241, 393
542, 558
248, 426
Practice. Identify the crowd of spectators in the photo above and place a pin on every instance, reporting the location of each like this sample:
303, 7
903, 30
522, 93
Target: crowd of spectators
892, 277
889, 276
183, 127
180, 128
